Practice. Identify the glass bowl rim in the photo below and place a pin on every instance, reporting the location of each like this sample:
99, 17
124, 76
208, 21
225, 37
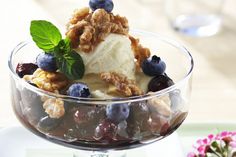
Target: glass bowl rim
107, 100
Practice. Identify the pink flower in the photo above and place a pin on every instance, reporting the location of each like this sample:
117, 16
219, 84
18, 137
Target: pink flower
191, 154
233, 144
204, 146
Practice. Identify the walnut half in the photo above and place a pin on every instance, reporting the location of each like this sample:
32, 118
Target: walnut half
87, 29
49, 81
54, 107
140, 53
122, 84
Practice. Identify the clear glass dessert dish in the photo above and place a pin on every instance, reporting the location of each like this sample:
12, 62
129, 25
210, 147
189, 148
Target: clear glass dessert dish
84, 126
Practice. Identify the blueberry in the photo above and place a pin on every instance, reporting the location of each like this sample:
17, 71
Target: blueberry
47, 123
117, 112
154, 66
47, 62
103, 4
25, 69
134, 132
86, 119
31, 105
121, 129
79, 90
81, 117
88, 115
71, 135
139, 112
137, 121
105, 131
160, 82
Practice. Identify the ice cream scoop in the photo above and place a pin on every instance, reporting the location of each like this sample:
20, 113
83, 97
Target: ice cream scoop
114, 54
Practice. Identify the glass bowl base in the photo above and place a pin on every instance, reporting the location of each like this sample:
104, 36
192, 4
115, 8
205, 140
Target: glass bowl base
25, 144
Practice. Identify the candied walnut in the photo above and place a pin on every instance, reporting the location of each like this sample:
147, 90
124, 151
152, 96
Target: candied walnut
49, 81
120, 24
79, 14
99, 17
161, 104
122, 84
100, 94
81, 35
54, 108
87, 30
140, 53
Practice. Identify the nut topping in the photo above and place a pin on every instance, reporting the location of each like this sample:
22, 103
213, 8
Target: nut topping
54, 108
140, 53
122, 84
49, 81
86, 30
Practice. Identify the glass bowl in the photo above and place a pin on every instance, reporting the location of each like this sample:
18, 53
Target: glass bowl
85, 126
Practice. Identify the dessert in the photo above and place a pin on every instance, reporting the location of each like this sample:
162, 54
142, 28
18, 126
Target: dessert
97, 60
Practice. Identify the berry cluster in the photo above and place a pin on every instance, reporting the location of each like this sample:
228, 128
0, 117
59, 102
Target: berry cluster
155, 67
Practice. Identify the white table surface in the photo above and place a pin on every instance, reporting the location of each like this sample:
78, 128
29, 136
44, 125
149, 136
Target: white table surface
214, 83
25, 144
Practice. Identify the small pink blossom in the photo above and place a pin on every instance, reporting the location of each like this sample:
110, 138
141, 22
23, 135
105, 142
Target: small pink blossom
233, 144
191, 154
224, 133
203, 146
210, 137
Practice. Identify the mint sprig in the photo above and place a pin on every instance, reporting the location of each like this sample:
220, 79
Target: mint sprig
63, 46
71, 64
48, 38
45, 35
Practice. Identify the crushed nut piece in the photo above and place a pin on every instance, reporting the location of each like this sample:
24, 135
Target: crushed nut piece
49, 81
100, 94
54, 108
162, 105
123, 85
140, 53
86, 30
79, 14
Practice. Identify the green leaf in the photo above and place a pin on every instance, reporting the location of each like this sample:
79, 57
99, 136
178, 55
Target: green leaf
67, 45
71, 64
62, 47
45, 35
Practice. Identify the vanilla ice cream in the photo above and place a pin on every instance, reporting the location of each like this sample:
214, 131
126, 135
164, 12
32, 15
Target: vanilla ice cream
114, 54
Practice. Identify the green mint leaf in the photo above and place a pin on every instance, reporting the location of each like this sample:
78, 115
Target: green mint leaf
62, 47
67, 45
71, 64
45, 35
